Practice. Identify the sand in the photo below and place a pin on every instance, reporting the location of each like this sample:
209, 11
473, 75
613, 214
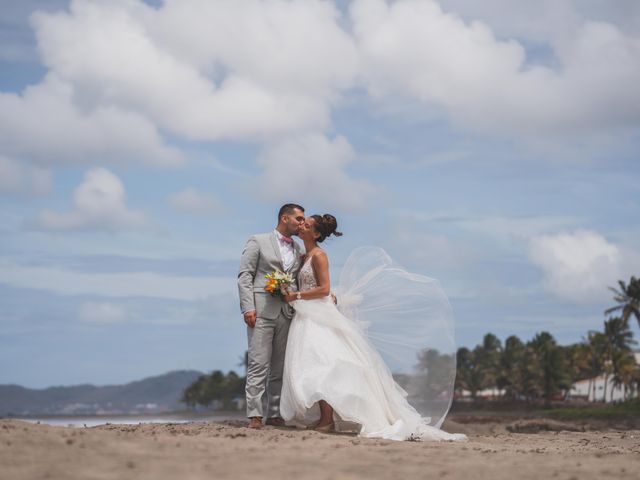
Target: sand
202, 450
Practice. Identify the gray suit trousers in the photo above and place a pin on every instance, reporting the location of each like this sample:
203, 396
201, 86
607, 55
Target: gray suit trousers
267, 345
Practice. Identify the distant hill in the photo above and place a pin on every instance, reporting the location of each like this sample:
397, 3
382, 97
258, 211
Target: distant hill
150, 395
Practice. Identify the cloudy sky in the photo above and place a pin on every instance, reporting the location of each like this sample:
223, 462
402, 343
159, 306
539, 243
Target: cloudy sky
492, 145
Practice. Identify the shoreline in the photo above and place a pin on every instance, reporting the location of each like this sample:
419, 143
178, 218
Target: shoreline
589, 418
127, 419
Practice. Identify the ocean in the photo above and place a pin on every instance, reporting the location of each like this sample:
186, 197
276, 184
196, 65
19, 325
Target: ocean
95, 420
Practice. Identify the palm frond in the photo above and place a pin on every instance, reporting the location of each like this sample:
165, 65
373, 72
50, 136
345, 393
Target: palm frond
613, 309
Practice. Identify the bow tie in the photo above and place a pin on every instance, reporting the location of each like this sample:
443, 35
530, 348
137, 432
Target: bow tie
288, 240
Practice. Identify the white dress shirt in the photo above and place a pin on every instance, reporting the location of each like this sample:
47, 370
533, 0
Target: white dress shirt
286, 251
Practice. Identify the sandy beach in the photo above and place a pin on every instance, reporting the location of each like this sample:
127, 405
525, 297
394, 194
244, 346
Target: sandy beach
205, 450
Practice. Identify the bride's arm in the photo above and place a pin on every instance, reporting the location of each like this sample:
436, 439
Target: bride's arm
320, 264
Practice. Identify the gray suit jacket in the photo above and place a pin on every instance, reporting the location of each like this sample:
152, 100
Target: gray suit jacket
261, 256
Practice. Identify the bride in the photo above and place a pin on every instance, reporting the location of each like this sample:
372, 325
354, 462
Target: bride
330, 364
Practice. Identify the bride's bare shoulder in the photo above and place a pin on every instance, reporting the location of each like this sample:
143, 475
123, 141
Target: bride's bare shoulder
319, 257
318, 252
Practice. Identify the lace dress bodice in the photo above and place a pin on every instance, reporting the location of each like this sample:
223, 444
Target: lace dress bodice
306, 276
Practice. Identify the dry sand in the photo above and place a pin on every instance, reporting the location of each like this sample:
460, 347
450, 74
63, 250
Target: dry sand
203, 450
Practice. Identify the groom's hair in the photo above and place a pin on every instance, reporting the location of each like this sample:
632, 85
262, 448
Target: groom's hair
288, 209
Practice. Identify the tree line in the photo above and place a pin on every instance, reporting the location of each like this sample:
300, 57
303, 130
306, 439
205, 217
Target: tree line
216, 390
540, 369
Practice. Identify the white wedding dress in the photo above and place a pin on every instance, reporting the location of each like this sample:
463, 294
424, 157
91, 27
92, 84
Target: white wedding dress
329, 357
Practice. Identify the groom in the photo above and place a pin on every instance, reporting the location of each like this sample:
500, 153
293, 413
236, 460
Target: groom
268, 317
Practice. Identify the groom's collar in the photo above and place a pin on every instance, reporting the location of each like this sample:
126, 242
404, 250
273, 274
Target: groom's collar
282, 238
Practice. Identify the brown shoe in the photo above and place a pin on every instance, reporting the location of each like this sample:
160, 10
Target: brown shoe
275, 422
255, 422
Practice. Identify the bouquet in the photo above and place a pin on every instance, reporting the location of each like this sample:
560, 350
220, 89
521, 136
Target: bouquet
277, 283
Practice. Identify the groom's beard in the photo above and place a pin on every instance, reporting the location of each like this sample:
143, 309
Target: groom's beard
295, 232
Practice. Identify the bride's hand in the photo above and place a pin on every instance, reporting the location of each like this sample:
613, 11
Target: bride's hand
290, 297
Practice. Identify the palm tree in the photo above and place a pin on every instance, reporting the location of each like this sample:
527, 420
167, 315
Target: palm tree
579, 362
551, 365
628, 299
487, 357
469, 374
596, 342
214, 388
530, 373
511, 375
618, 341
192, 395
462, 369
439, 369
624, 368
617, 332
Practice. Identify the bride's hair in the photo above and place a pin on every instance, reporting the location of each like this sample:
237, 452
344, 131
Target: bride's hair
326, 225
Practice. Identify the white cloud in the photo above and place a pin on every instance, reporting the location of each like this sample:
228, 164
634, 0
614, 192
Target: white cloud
122, 74
18, 178
99, 203
101, 313
579, 266
412, 48
46, 125
137, 284
311, 168
193, 201
204, 69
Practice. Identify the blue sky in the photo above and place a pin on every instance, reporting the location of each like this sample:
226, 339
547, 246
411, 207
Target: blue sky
493, 147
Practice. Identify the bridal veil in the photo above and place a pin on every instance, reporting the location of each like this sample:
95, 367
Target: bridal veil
409, 320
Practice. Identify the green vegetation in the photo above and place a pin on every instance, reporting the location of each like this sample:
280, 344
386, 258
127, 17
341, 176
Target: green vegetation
215, 390
622, 410
627, 298
540, 369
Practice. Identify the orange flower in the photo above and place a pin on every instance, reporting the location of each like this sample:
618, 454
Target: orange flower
271, 285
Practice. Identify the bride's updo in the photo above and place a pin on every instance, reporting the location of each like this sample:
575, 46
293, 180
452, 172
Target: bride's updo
326, 226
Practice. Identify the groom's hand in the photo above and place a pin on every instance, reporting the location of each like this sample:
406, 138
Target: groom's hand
250, 318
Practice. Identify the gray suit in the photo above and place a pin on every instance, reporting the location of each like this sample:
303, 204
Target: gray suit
268, 339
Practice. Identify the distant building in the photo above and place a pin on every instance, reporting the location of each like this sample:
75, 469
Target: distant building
487, 393
593, 390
